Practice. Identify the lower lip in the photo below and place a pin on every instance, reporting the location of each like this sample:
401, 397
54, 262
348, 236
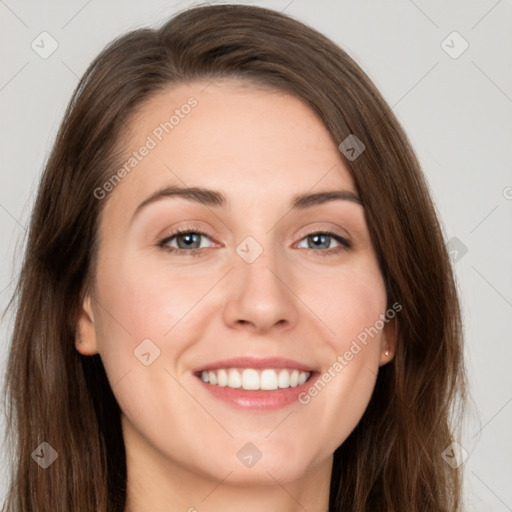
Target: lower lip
258, 400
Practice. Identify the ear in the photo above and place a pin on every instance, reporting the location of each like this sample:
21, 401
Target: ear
388, 342
85, 341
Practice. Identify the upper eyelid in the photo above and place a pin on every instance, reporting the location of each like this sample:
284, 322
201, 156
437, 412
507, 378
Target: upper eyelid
185, 230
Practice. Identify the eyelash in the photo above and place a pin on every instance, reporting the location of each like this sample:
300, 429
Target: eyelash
345, 245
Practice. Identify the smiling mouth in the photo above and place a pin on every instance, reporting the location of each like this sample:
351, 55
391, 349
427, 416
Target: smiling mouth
250, 379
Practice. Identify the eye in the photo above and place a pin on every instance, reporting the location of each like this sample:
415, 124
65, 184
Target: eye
185, 240
323, 240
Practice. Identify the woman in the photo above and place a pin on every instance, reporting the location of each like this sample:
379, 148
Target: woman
235, 291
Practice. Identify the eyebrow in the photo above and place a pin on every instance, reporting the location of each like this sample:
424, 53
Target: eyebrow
214, 198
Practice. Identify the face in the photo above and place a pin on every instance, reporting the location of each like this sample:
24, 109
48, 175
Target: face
231, 317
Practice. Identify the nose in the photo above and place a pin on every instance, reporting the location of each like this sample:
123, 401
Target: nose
261, 297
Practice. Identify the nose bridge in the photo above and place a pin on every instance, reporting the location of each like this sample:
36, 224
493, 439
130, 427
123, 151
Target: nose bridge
259, 296
260, 275
258, 266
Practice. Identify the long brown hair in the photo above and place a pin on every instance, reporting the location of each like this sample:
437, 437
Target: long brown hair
392, 461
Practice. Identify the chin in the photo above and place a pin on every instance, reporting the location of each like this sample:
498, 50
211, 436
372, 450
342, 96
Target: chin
252, 466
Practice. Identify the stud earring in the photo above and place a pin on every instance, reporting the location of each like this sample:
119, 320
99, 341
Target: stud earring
386, 353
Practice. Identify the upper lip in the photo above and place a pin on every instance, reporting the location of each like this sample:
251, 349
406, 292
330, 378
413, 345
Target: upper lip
256, 363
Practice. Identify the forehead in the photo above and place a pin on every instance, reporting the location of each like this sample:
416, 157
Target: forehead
249, 141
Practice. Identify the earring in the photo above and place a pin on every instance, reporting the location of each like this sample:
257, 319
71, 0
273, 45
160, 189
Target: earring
386, 353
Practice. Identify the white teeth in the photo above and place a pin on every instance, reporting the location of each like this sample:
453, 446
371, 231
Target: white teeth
250, 379
284, 379
222, 378
268, 380
234, 379
253, 380
302, 378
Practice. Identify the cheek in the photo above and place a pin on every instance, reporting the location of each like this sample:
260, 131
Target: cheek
148, 301
349, 304
150, 315
138, 313
144, 325
352, 315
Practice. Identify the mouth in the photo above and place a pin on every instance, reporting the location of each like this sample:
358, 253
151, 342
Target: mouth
252, 383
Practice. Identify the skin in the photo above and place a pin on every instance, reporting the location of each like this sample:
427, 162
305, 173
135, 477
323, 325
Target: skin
260, 148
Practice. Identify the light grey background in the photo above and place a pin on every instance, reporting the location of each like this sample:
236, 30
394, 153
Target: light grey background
457, 112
